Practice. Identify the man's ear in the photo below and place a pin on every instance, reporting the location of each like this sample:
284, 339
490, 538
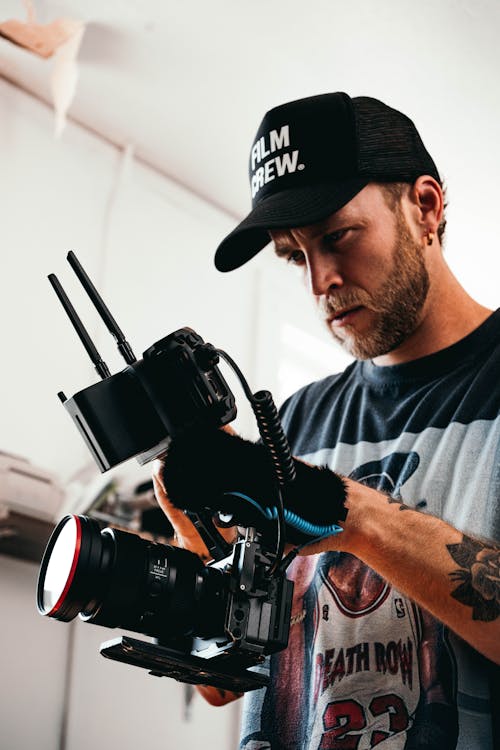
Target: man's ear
426, 195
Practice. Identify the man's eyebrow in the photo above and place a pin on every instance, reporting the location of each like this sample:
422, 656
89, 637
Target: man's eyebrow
328, 226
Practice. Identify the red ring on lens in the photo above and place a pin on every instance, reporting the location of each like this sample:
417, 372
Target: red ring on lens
76, 555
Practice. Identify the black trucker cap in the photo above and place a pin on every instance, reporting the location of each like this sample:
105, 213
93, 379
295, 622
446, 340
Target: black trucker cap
312, 156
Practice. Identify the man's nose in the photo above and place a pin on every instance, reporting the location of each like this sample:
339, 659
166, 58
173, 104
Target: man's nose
323, 274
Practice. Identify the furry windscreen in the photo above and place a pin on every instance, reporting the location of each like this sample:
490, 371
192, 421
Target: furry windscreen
201, 467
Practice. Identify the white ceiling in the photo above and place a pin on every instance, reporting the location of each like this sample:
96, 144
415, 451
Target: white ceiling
186, 83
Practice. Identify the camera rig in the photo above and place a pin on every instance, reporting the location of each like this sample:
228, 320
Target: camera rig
176, 388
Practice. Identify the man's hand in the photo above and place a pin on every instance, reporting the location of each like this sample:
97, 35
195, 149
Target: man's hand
188, 538
186, 535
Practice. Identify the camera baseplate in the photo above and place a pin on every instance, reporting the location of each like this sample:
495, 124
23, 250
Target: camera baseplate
226, 672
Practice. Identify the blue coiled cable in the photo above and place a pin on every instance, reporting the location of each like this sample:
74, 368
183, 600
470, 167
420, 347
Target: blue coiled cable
292, 519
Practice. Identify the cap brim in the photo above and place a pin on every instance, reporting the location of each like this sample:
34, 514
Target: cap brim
291, 208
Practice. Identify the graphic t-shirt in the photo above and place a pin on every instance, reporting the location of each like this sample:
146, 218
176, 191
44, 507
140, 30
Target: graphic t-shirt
365, 667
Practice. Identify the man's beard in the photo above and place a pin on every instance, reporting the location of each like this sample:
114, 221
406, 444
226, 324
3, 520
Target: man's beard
397, 304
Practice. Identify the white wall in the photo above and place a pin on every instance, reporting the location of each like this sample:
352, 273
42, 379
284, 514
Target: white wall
149, 245
33, 659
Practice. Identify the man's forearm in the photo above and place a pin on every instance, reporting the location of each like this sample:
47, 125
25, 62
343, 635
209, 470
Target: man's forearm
453, 576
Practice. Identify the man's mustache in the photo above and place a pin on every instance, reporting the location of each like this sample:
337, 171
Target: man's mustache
333, 304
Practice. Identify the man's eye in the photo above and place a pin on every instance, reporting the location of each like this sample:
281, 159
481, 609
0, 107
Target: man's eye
336, 236
296, 258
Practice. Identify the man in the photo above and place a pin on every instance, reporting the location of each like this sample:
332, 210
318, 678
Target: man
395, 626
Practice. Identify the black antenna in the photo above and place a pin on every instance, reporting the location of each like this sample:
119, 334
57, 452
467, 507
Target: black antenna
100, 364
123, 346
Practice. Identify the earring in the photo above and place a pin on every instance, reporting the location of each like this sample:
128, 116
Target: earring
430, 237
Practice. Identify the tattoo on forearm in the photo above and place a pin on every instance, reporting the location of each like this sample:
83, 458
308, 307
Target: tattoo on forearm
478, 577
402, 506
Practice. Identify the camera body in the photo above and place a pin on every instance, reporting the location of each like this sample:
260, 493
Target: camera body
137, 412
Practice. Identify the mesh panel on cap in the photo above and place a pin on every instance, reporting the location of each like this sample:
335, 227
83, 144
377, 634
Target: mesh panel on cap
389, 143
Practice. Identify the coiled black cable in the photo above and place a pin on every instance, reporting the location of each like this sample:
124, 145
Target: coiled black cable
274, 438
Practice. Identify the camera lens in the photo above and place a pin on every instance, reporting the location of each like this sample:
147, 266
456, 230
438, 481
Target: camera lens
71, 564
61, 566
116, 579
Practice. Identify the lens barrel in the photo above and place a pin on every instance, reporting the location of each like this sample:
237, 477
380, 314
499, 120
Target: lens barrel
117, 579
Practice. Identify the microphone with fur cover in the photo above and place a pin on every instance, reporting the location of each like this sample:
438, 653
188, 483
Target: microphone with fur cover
223, 472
